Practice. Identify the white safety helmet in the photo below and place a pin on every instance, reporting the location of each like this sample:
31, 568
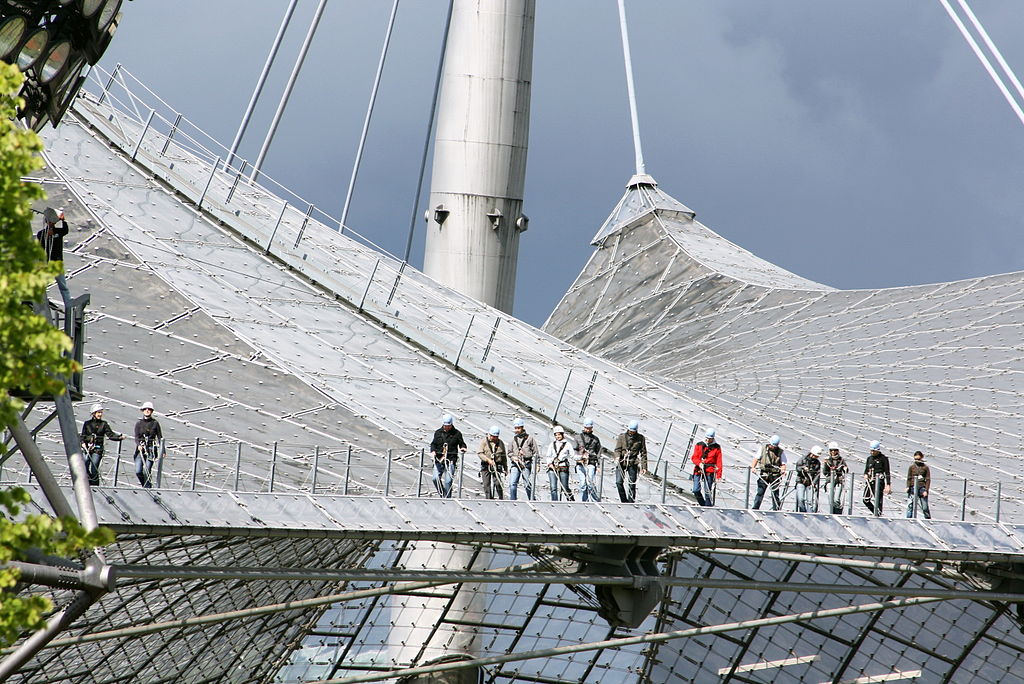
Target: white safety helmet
146, 405
774, 441
589, 422
633, 425
816, 450
558, 430
95, 407
447, 419
494, 431
833, 446
875, 446
518, 422
709, 433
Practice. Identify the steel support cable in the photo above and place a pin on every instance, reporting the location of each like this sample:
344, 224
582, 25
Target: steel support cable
630, 89
430, 129
366, 120
215, 618
261, 81
288, 87
632, 641
992, 48
983, 58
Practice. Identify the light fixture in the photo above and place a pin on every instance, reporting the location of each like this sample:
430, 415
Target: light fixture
107, 14
89, 7
12, 30
55, 60
33, 48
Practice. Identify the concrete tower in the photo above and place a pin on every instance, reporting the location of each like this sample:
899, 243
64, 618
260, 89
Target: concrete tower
483, 124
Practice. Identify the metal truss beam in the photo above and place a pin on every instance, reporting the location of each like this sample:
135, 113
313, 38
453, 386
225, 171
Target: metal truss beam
632, 641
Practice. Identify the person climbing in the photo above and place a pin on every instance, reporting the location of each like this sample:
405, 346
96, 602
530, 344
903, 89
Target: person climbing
808, 480
94, 431
877, 478
588, 462
493, 464
771, 467
919, 483
522, 455
631, 461
833, 474
51, 239
559, 459
707, 468
445, 448
148, 439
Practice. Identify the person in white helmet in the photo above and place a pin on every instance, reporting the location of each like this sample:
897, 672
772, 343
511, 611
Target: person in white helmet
493, 464
588, 462
631, 460
523, 453
877, 478
148, 437
559, 461
770, 465
445, 449
833, 474
94, 431
808, 479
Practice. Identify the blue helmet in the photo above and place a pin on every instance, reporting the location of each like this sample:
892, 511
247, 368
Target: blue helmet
633, 425
875, 446
710, 433
774, 441
494, 431
518, 422
447, 420
589, 422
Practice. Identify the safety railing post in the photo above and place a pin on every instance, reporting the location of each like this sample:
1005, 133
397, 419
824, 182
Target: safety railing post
664, 482
160, 463
853, 481
387, 475
999, 498
110, 82
209, 181
369, 282
565, 386
238, 464
273, 466
746, 497
348, 468
913, 496
419, 479
316, 469
533, 476
458, 357
963, 502
145, 129
234, 183
661, 451
170, 135
273, 234
600, 481
195, 464
462, 473
117, 461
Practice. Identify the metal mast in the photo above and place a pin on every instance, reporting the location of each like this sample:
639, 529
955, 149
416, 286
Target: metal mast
476, 195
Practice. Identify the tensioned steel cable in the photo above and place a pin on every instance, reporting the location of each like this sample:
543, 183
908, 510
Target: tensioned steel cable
630, 89
261, 81
992, 47
430, 128
366, 121
983, 58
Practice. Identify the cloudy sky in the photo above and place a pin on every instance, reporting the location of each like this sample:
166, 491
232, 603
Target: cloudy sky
859, 144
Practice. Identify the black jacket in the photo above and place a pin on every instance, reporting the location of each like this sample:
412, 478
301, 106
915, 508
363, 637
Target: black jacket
878, 464
93, 432
589, 448
452, 438
148, 430
53, 244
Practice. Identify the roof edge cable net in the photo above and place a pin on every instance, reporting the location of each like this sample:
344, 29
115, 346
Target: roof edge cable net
983, 58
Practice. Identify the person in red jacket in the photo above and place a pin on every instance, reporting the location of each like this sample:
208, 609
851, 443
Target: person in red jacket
707, 468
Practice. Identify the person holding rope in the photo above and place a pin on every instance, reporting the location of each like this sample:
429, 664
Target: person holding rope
51, 239
94, 431
631, 460
771, 467
445, 449
833, 472
877, 478
588, 461
493, 464
707, 468
919, 482
148, 436
523, 453
808, 479
559, 459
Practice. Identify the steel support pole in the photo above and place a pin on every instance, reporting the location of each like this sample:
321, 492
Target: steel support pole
117, 462
462, 472
273, 467
261, 81
999, 498
160, 463
316, 469
853, 481
419, 480
56, 624
195, 465
273, 234
238, 464
664, 443
565, 386
746, 499
34, 458
458, 357
145, 129
348, 468
369, 281
110, 82
76, 463
913, 496
664, 482
209, 181
304, 50
387, 476
170, 135
963, 502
